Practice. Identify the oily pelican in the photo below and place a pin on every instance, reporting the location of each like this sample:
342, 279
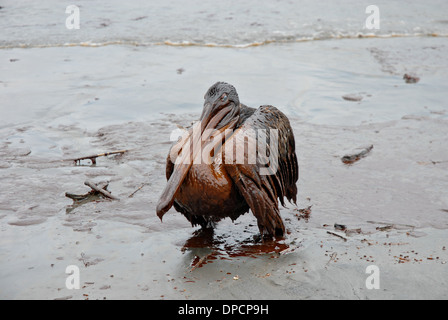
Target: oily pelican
210, 173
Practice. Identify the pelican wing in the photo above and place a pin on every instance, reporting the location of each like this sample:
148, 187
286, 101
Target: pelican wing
275, 172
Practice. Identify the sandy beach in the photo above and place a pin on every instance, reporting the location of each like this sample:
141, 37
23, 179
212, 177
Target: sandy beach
388, 209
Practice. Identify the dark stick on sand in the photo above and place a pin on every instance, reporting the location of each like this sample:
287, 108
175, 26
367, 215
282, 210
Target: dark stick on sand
132, 194
105, 193
81, 197
351, 158
201, 261
93, 157
337, 235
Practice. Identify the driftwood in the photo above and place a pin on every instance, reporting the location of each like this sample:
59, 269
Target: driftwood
104, 192
100, 188
332, 258
132, 194
93, 157
337, 235
351, 158
201, 261
81, 197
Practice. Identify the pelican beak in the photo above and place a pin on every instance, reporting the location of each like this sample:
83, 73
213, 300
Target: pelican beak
210, 119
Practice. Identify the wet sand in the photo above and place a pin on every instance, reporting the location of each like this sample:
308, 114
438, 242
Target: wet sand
392, 202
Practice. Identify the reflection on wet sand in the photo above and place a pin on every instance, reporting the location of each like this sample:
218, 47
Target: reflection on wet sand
204, 247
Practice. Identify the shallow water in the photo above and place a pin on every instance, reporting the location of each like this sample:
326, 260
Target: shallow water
120, 83
194, 22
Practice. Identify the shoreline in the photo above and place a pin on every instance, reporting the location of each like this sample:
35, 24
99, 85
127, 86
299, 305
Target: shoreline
169, 43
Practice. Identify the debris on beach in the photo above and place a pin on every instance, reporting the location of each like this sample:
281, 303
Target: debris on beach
348, 232
199, 262
303, 213
357, 155
352, 97
341, 227
138, 189
88, 261
337, 235
385, 228
104, 192
97, 189
332, 258
424, 163
92, 158
410, 78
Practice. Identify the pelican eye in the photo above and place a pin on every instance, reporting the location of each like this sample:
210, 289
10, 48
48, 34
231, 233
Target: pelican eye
224, 97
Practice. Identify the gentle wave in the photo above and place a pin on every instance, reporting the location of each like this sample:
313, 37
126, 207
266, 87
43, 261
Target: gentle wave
224, 45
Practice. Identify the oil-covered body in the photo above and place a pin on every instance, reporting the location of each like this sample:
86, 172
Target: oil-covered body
218, 196
207, 192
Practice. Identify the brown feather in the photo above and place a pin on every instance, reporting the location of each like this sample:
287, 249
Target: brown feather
262, 191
